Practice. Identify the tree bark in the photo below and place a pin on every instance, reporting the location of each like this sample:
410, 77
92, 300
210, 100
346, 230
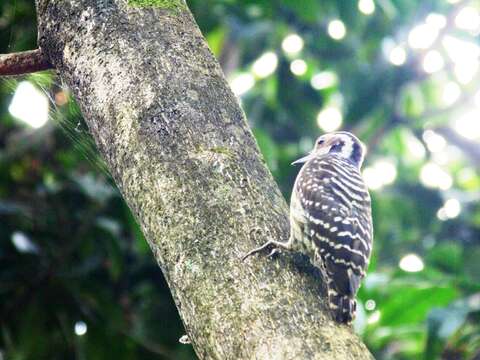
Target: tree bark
180, 150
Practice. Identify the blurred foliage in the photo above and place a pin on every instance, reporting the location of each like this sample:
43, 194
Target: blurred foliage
72, 255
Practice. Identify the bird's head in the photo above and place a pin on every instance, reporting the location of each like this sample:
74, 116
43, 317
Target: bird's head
341, 143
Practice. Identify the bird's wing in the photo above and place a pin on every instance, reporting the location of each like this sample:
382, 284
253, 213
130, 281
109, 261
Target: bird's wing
338, 221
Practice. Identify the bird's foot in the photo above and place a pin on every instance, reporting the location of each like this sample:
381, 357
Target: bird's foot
269, 244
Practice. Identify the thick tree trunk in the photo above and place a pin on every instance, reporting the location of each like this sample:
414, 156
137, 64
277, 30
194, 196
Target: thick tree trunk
181, 152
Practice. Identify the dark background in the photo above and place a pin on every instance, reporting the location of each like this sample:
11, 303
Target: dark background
77, 279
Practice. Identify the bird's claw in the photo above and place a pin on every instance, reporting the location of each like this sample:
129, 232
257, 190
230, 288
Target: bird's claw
261, 248
273, 252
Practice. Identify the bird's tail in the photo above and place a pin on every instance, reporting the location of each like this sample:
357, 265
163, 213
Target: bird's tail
343, 307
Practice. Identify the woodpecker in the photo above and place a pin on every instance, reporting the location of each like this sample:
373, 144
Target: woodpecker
331, 219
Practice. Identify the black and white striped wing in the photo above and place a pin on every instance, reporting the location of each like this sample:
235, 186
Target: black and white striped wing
337, 211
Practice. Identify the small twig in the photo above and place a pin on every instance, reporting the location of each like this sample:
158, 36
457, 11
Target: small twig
23, 63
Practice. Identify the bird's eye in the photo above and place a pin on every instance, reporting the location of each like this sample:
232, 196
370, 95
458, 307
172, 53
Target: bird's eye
337, 147
320, 142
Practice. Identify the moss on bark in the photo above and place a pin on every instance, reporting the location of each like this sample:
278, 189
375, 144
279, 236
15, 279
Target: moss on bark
162, 4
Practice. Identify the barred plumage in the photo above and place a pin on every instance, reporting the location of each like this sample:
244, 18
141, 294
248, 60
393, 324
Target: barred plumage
330, 218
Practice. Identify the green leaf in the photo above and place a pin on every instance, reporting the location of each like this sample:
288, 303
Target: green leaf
216, 39
308, 10
447, 257
410, 305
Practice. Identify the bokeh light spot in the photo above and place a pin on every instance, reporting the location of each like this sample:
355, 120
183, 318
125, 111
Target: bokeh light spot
411, 263
468, 18
468, 124
337, 29
324, 80
438, 21
292, 44
265, 65
451, 93
422, 36
80, 328
434, 141
433, 176
242, 83
298, 67
382, 172
29, 105
366, 7
329, 119
433, 62
374, 317
370, 305
23, 243
450, 210
397, 56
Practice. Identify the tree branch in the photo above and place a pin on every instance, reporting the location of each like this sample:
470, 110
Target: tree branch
23, 63
468, 147
179, 148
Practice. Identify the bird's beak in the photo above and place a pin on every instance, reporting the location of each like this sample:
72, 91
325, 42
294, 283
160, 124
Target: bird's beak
304, 159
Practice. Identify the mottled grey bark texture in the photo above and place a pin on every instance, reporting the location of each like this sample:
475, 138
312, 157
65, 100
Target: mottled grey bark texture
181, 152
